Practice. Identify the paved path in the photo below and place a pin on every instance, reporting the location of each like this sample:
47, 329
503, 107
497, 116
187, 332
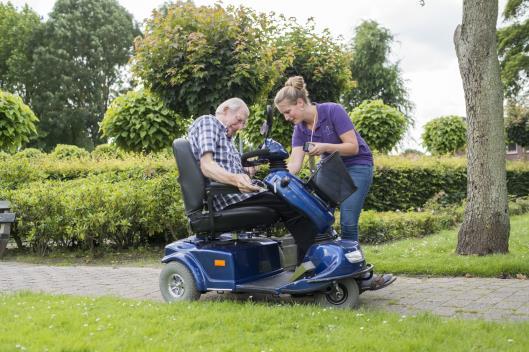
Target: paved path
490, 299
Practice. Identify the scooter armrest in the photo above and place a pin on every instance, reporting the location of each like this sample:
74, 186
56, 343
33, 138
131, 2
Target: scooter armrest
221, 188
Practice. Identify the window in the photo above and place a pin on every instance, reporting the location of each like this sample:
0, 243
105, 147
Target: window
512, 148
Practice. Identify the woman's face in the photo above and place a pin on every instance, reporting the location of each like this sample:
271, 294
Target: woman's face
293, 113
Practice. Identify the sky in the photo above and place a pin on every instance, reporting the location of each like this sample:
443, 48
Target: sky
423, 43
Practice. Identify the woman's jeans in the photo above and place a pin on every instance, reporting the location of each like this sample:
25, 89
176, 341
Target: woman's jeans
350, 208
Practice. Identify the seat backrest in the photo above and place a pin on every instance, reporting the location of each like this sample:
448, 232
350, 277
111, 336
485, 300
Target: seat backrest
190, 177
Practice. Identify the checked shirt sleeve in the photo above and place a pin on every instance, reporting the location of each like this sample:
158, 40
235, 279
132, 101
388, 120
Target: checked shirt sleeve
208, 133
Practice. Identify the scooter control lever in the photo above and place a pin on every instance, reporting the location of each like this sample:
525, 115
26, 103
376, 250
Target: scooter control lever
285, 180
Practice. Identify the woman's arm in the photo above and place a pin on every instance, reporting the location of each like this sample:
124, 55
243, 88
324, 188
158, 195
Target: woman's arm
296, 160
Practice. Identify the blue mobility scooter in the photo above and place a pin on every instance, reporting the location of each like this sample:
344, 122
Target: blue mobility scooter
232, 250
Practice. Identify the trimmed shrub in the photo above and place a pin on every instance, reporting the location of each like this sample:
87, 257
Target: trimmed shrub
107, 151
17, 122
140, 122
16, 172
30, 153
69, 152
379, 227
380, 125
445, 135
97, 212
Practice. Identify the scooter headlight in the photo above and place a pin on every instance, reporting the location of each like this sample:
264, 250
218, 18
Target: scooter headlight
355, 256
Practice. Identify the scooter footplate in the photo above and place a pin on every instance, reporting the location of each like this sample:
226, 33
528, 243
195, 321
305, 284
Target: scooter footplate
269, 284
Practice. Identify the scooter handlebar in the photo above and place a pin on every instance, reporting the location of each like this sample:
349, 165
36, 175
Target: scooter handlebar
262, 155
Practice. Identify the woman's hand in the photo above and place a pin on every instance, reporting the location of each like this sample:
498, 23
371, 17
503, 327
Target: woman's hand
318, 148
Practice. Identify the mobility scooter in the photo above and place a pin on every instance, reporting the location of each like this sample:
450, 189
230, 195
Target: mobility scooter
232, 250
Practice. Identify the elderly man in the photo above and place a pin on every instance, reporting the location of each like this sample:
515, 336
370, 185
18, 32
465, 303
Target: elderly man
210, 139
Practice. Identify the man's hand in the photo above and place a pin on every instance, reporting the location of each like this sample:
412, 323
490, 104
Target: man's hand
250, 170
244, 184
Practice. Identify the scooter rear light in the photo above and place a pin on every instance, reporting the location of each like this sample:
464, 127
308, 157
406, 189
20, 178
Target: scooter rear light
354, 256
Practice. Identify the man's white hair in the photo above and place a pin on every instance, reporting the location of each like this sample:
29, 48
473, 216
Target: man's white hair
233, 104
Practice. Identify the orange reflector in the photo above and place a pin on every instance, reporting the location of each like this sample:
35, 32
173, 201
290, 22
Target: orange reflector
220, 262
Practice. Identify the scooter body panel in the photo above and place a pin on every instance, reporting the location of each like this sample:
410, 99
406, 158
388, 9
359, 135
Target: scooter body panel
223, 264
294, 192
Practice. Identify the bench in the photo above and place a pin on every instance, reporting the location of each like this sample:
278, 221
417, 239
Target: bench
6, 220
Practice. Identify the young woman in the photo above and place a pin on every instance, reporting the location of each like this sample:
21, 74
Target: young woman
321, 129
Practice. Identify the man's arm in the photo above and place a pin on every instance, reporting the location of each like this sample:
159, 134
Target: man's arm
213, 171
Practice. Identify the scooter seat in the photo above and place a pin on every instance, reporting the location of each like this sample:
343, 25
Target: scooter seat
234, 219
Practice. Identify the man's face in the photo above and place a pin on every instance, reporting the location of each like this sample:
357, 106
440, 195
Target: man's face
234, 121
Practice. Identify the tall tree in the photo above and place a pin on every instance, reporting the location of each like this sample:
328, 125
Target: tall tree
376, 76
82, 48
513, 46
485, 227
322, 61
17, 29
194, 57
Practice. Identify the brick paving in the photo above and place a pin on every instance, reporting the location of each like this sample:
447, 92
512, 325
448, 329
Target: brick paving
474, 298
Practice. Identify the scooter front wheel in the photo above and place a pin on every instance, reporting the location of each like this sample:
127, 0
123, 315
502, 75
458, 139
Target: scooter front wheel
343, 294
177, 283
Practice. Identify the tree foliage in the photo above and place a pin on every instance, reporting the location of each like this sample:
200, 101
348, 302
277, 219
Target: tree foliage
382, 126
17, 122
81, 50
17, 30
196, 57
140, 122
319, 58
376, 77
513, 48
445, 135
517, 124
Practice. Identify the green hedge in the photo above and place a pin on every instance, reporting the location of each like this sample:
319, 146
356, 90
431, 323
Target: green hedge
402, 183
96, 211
117, 213
379, 227
17, 171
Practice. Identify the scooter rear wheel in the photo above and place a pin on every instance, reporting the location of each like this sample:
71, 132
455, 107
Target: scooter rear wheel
344, 294
177, 283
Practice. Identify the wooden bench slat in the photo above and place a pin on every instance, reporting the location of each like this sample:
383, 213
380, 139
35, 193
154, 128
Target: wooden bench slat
4, 205
7, 218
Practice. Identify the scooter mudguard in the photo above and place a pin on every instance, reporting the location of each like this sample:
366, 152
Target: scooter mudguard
330, 264
292, 190
180, 251
330, 261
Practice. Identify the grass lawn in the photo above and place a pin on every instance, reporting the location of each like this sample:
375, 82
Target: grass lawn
37, 322
435, 255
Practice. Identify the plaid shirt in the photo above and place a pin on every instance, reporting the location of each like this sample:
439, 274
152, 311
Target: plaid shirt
208, 134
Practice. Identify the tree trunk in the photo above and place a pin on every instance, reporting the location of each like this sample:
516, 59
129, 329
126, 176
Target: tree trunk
485, 228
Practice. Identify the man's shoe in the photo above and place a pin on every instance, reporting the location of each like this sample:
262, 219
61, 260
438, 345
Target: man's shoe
376, 282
